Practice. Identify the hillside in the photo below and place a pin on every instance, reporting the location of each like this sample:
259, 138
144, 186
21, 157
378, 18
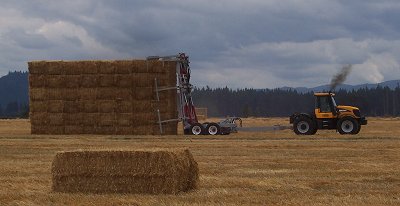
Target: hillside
13, 93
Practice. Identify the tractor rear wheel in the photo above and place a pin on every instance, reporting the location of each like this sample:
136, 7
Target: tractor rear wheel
196, 129
348, 125
304, 126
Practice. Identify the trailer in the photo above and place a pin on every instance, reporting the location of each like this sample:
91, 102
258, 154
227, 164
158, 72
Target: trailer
186, 109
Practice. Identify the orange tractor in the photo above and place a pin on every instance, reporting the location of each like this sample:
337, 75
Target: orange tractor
328, 115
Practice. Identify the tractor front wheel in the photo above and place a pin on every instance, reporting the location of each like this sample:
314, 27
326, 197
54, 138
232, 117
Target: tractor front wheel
348, 125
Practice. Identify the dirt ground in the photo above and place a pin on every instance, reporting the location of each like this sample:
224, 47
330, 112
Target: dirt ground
247, 168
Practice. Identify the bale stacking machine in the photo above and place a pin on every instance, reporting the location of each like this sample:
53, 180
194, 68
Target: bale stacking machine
186, 109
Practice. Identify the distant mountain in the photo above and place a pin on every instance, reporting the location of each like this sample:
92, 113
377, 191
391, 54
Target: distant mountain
393, 84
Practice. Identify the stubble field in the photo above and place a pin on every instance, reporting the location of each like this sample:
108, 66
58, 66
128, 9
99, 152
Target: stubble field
247, 168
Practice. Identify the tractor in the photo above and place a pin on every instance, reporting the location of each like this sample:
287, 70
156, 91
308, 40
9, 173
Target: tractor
328, 115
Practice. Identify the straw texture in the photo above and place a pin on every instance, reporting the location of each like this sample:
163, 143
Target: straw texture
149, 171
101, 97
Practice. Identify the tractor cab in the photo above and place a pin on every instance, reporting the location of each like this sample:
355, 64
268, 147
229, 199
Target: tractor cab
325, 106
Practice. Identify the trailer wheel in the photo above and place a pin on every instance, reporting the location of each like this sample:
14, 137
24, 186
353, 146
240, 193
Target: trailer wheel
196, 129
213, 129
348, 125
304, 126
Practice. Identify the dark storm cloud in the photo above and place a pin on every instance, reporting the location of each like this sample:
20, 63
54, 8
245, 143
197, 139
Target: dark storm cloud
255, 43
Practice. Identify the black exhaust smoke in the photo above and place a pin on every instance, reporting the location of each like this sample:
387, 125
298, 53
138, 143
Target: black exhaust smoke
340, 77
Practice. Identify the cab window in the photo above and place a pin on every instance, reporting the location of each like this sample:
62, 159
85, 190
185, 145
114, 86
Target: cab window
324, 104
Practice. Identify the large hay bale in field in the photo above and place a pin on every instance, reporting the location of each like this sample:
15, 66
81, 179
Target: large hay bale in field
110, 97
149, 171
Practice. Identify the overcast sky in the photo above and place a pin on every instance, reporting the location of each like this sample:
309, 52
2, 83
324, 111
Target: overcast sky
234, 43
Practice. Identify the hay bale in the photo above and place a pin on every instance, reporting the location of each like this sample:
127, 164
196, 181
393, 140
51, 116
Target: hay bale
37, 94
140, 66
38, 129
123, 80
88, 106
55, 106
124, 119
106, 106
146, 129
89, 129
55, 119
143, 79
105, 67
144, 93
72, 81
37, 67
144, 118
73, 129
71, 94
164, 106
55, 81
124, 130
38, 118
72, 106
105, 93
72, 68
124, 106
90, 120
55, 67
105, 129
37, 81
87, 93
123, 94
105, 80
88, 67
123, 66
89, 81
149, 172
55, 94
38, 106
201, 113
73, 119
106, 119
54, 129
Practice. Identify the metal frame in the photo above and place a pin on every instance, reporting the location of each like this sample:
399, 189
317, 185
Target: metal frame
185, 106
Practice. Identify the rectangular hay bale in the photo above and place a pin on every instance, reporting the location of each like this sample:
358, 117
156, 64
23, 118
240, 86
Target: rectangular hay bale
37, 67
38, 94
89, 81
37, 80
147, 172
106, 106
88, 106
55, 106
38, 106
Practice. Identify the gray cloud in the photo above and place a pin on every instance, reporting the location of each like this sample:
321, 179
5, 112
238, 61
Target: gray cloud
231, 43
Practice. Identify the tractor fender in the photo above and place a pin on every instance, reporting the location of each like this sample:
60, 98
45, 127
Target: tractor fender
295, 116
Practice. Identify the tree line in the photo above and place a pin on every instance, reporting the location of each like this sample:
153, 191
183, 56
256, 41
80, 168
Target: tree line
14, 110
221, 102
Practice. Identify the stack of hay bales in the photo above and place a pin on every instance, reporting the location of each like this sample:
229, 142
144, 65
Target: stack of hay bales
101, 97
150, 172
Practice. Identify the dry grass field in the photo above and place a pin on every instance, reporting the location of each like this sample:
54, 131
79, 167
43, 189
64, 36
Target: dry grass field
267, 168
